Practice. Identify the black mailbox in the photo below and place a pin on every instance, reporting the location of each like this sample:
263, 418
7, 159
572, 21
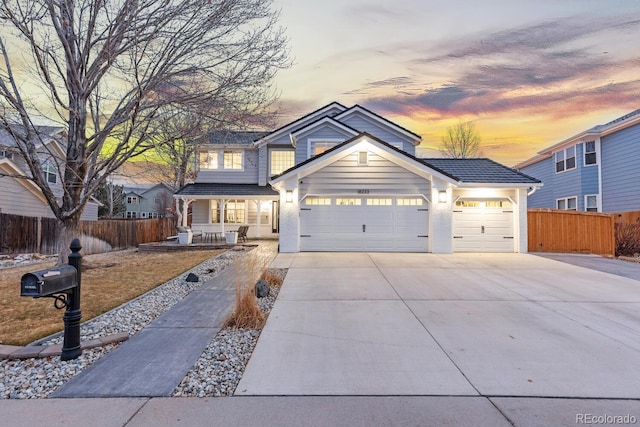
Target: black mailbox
46, 282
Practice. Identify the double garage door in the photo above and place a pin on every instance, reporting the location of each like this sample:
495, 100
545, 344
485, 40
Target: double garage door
483, 226
389, 224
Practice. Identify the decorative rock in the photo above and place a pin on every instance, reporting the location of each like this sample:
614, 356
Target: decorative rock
262, 289
191, 277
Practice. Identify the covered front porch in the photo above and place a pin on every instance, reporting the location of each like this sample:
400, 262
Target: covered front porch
226, 207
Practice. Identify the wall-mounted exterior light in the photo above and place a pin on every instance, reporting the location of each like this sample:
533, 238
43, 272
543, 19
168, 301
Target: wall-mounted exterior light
289, 196
442, 197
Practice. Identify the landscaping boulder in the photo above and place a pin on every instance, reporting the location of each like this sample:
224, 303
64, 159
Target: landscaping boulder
192, 278
262, 289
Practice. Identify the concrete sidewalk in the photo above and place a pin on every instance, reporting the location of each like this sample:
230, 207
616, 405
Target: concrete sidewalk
318, 411
154, 361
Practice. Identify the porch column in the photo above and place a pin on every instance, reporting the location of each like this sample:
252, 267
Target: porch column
289, 217
223, 202
259, 206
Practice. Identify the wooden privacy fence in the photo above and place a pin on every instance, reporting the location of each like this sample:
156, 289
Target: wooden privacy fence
571, 232
19, 234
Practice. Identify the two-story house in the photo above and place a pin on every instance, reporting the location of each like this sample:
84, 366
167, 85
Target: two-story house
148, 201
595, 170
19, 195
347, 179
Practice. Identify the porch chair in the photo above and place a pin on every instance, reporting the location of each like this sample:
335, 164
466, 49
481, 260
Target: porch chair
242, 233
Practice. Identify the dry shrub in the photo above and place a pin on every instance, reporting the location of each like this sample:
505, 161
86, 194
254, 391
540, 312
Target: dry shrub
627, 239
247, 313
272, 278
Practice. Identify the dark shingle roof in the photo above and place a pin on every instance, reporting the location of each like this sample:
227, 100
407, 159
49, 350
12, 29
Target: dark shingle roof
480, 171
234, 137
218, 189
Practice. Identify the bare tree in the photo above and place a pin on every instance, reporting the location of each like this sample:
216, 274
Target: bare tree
164, 204
107, 67
112, 198
461, 141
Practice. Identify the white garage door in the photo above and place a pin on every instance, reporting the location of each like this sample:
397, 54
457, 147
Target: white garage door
381, 224
483, 226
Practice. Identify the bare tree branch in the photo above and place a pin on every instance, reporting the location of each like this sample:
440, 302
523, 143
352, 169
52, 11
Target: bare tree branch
461, 141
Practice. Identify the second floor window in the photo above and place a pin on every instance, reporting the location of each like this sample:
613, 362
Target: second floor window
566, 159
49, 172
281, 161
6, 154
567, 204
208, 160
132, 200
590, 153
233, 160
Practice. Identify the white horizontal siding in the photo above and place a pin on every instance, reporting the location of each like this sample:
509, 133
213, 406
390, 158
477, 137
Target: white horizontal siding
380, 176
249, 175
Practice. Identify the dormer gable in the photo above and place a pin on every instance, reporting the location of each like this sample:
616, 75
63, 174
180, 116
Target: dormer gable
360, 118
329, 110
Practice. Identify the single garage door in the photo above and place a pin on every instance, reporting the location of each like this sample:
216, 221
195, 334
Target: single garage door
483, 226
383, 224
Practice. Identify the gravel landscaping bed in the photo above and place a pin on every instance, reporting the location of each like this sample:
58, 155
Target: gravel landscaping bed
37, 378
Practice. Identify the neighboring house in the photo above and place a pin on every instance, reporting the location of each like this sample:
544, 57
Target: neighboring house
347, 179
19, 196
148, 202
595, 170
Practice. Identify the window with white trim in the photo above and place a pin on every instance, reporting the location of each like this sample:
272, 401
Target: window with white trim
131, 214
6, 154
590, 156
319, 146
49, 172
281, 160
233, 160
209, 159
234, 211
143, 214
567, 203
591, 203
132, 200
565, 159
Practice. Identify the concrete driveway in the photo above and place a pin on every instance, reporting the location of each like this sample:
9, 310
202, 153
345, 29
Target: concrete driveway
496, 325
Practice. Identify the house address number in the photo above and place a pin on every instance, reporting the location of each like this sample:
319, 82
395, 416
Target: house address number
363, 191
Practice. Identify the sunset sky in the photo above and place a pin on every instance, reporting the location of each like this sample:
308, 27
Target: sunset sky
527, 73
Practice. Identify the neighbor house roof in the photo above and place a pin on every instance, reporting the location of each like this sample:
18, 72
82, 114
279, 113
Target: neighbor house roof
629, 119
219, 189
480, 171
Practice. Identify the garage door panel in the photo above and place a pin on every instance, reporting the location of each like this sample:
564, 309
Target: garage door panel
481, 229
388, 227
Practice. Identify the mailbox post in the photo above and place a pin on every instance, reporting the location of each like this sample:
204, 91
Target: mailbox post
71, 348
63, 285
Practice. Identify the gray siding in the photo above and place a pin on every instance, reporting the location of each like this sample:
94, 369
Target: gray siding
576, 182
263, 165
249, 175
544, 171
90, 212
200, 212
380, 176
620, 170
326, 131
15, 199
388, 135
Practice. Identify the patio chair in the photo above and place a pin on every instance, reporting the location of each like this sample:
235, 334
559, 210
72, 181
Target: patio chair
242, 233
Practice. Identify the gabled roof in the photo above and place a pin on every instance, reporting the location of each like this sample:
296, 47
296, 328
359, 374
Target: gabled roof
456, 171
320, 112
47, 133
206, 189
483, 170
325, 120
10, 168
378, 118
629, 119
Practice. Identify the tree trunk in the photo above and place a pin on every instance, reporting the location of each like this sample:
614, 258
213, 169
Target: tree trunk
68, 230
